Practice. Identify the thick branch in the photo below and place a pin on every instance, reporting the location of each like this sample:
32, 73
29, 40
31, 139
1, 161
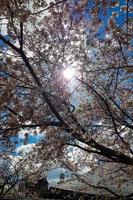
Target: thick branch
21, 35
116, 156
44, 124
36, 79
9, 44
44, 94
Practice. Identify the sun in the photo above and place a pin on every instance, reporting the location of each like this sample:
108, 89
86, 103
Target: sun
68, 73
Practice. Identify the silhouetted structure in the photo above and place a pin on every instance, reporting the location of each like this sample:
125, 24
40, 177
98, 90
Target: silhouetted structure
31, 187
41, 189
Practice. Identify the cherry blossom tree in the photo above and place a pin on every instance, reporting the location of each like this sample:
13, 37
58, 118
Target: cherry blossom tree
44, 39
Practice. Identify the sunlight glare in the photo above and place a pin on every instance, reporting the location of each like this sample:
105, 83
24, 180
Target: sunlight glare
68, 73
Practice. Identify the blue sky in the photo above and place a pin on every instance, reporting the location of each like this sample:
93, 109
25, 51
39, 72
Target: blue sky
119, 19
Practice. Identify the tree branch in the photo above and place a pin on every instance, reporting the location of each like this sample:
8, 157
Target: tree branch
51, 6
21, 35
36, 79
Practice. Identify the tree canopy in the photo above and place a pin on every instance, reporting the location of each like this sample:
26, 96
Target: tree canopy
87, 120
